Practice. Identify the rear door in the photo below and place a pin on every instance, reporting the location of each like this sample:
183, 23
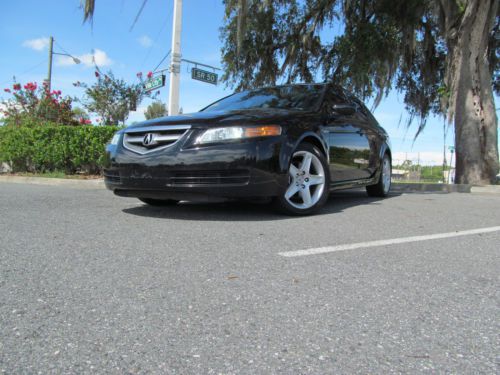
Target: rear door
348, 144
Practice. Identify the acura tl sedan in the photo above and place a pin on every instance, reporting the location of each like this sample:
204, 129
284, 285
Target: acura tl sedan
292, 143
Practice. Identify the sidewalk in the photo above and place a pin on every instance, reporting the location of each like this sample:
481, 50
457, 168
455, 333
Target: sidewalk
97, 183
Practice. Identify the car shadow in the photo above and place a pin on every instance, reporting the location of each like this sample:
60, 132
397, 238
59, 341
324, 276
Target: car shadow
248, 211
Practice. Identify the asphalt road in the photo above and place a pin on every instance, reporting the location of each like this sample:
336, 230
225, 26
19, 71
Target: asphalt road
92, 283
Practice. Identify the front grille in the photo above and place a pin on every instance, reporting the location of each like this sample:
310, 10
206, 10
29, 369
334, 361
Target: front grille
148, 139
203, 178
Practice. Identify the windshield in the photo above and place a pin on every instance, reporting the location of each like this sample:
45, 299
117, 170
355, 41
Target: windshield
300, 97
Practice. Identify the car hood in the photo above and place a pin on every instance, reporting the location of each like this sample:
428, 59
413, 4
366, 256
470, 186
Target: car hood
222, 118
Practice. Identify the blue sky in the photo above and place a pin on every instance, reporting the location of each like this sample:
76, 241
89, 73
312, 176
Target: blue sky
25, 26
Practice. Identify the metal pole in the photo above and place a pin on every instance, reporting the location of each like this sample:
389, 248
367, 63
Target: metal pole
49, 75
175, 61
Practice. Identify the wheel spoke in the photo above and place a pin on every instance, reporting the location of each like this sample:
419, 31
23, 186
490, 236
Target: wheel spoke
292, 189
293, 171
306, 163
316, 180
305, 194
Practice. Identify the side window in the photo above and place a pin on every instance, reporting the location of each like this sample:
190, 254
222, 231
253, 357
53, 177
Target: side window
362, 108
334, 96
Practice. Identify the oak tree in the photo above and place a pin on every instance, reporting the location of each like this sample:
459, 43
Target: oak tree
442, 55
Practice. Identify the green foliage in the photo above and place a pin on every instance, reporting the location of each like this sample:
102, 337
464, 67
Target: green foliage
155, 110
50, 147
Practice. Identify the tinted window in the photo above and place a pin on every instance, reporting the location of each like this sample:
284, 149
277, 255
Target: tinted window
302, 97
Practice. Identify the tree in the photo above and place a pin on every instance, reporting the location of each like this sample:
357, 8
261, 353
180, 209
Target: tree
155, 110
111, 98
444, 55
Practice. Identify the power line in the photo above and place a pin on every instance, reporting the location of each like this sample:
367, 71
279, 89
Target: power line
138, 14
162, 28
57, 44
162, 60
26, 71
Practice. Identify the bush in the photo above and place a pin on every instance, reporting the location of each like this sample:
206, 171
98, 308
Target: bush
50, 147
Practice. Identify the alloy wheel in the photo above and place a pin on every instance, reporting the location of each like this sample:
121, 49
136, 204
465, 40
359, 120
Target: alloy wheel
306, 180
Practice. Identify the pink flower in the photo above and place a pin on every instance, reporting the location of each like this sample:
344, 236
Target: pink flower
150, 74
97, 74
17, 86
58, 92
6, 90
30, 86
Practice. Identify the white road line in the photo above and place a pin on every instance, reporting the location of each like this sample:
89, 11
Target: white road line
393, 241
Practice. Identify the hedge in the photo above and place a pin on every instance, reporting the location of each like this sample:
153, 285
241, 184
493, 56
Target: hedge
49, 148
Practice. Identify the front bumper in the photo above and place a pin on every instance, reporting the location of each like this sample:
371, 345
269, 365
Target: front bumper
232, 170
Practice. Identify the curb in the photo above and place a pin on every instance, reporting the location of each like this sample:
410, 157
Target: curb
489, 189
73, 183
430, 188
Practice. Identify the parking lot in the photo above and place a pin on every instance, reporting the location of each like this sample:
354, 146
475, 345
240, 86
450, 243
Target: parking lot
93, 283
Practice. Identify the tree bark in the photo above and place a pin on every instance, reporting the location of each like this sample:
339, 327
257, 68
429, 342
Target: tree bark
471, 97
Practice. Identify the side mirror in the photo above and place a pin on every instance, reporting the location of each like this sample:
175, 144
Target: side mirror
343, 109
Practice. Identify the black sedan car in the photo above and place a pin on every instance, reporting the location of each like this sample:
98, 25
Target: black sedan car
292, 143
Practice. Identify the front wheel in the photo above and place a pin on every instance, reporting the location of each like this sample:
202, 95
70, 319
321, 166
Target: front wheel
308, 182
381, 189
158, 202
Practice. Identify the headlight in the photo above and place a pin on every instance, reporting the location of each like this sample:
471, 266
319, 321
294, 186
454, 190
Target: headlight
115, 139
238, 132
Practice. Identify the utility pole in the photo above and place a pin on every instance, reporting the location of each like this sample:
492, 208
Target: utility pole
175, 61
49, 75
51, 53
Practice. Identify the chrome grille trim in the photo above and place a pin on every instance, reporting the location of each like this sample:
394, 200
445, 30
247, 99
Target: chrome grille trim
163, 137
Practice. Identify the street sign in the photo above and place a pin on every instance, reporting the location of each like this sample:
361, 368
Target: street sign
204, 76
154, 83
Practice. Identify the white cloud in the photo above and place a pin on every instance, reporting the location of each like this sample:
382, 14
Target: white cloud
99, 58
145, 41
37, 44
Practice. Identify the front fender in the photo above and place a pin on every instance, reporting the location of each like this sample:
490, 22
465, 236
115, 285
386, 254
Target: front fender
291, 143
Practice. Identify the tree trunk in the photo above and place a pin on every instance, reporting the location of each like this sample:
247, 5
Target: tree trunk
471, 98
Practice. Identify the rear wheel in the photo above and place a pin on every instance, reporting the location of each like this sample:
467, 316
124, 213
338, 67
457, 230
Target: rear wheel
308, 182
159, 202
381, 189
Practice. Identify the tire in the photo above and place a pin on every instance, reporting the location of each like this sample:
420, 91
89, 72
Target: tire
383, 186
308, 188
158, 202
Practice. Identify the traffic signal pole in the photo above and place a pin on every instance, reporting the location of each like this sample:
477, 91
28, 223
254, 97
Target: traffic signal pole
175, 61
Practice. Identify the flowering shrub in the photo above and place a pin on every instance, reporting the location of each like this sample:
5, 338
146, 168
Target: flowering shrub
38, 103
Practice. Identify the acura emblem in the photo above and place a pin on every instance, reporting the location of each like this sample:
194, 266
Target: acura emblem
148, 139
